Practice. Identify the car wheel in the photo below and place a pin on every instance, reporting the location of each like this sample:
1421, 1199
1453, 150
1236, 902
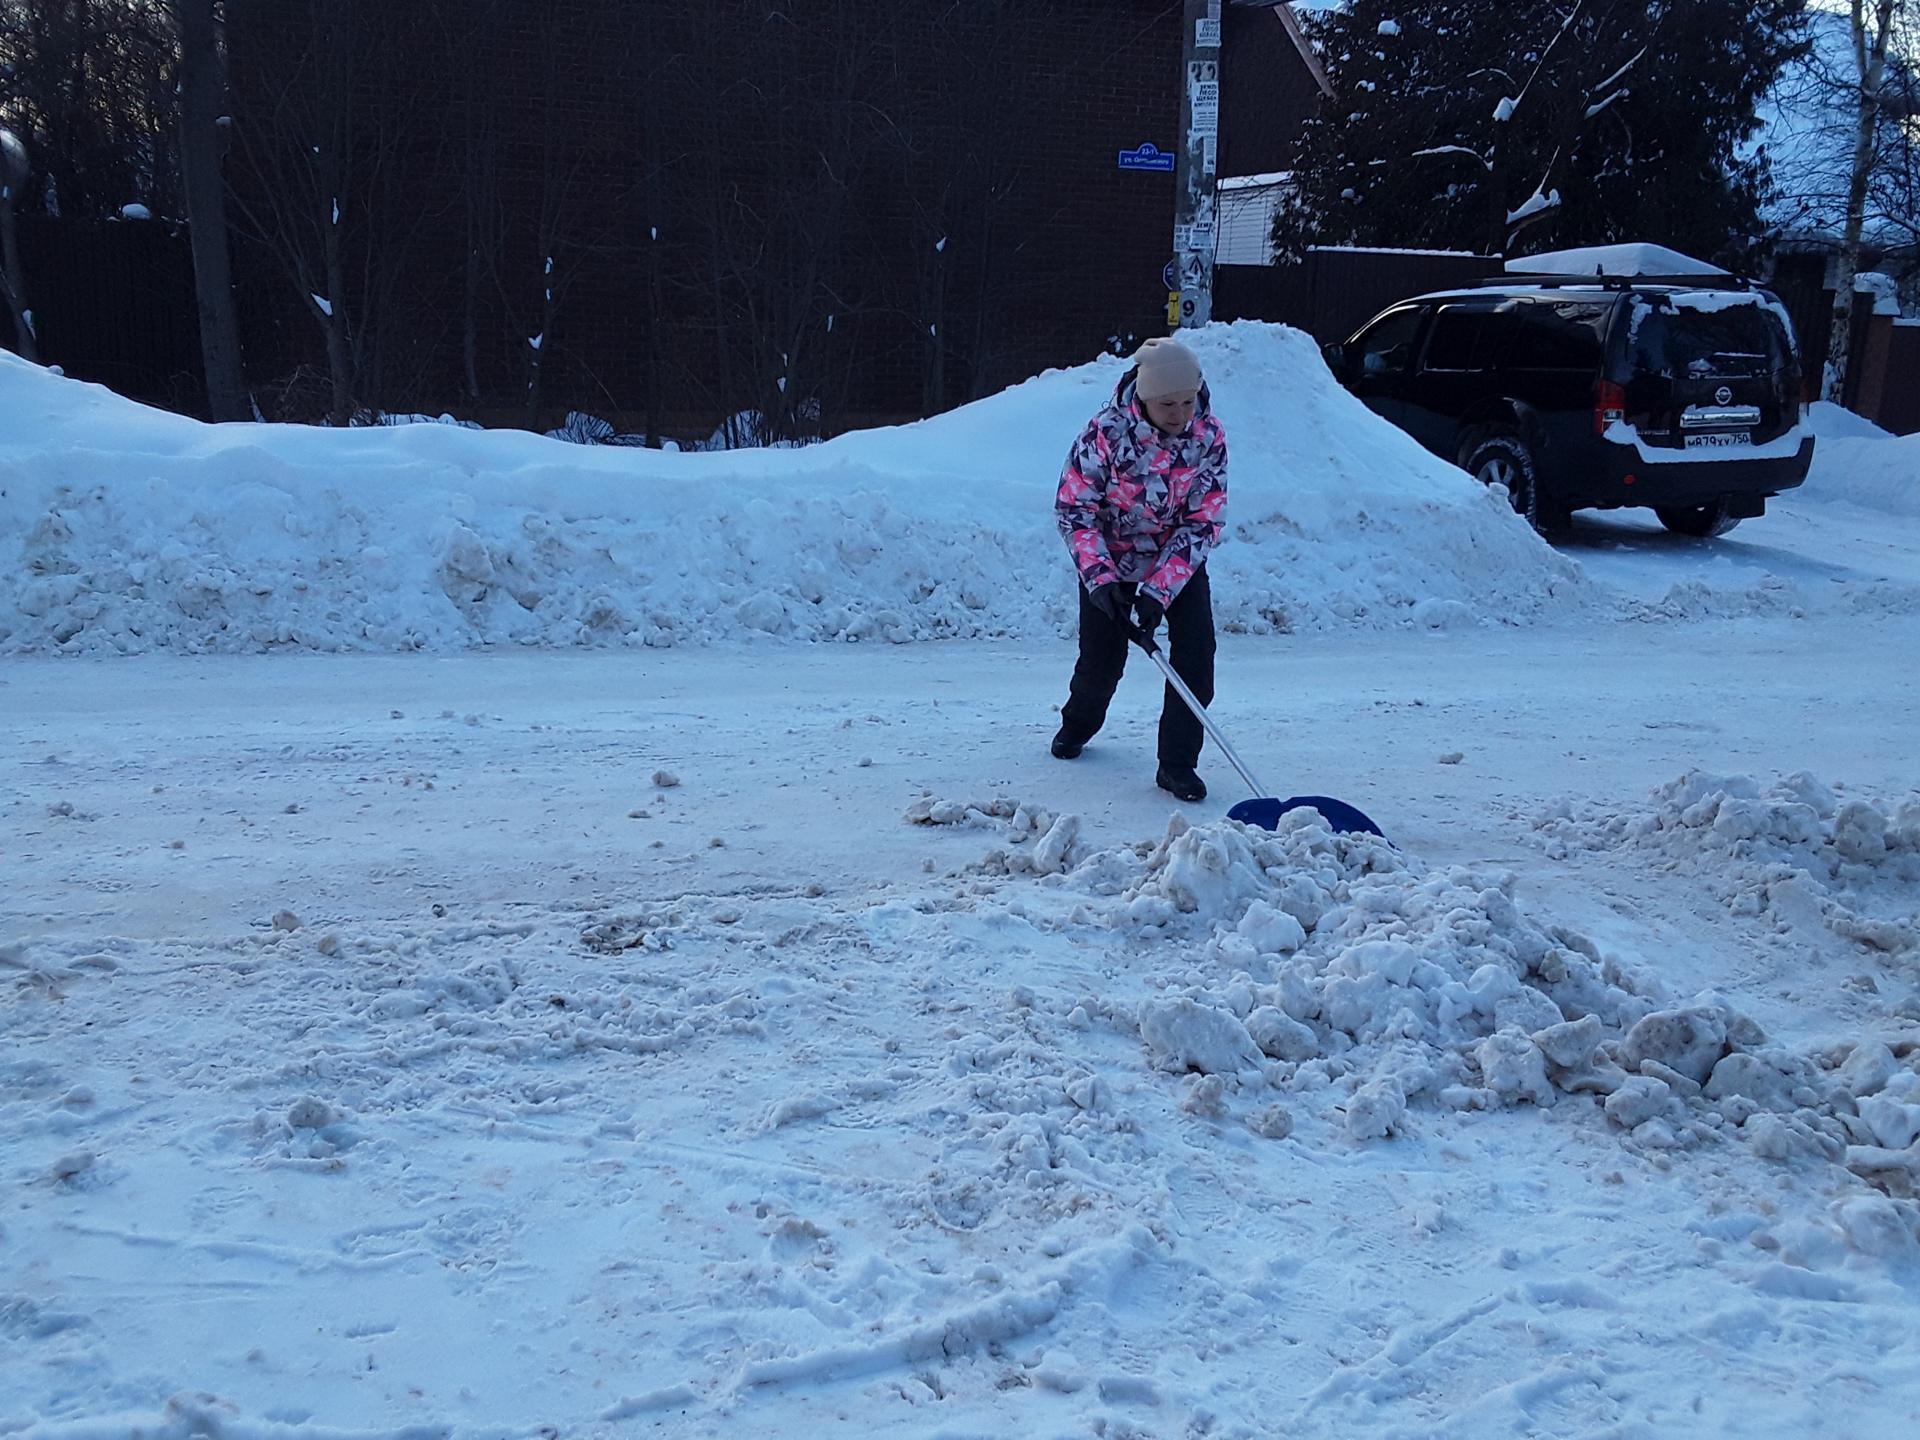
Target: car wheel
1502, 459
1702, 522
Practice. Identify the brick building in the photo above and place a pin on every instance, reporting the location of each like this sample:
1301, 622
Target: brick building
831, 212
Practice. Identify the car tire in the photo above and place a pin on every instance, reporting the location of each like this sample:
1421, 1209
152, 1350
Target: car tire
1702, 522
1502, 458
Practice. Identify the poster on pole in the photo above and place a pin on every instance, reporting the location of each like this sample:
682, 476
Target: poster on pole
1206, 34
1203, 87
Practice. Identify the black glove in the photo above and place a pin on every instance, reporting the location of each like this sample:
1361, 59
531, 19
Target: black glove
1149, 612
1110, 600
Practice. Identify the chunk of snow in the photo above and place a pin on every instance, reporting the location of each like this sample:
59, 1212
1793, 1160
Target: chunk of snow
1377, 1109
1514, 1067
1281, 1036
1272, 931
1191, 1036
1690, 1042
1639, 1100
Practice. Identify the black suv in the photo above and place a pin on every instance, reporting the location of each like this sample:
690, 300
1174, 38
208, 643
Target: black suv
1682, 395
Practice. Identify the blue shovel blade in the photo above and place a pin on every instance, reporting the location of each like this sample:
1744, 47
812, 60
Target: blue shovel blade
1340, 815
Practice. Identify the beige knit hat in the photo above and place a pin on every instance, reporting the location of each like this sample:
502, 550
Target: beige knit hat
1168, 370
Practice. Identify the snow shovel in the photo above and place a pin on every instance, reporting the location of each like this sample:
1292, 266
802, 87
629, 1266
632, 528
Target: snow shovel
1260, 810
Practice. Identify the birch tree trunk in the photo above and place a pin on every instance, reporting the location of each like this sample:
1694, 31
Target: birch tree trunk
1870, 65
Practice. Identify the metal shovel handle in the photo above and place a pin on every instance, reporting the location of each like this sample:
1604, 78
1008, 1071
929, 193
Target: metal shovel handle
1144, 640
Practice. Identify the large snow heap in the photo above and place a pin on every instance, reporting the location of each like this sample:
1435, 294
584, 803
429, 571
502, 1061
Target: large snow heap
126, 529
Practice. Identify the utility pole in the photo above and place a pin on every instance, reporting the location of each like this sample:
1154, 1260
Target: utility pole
1196, 161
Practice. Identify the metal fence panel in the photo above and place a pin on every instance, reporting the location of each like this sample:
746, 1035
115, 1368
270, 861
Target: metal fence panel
113, 302
1332, 292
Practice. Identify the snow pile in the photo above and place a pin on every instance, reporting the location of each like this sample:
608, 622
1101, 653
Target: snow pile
1357, 984
124, 529
1794, 853
1334, 969
1874, 473
1057, 838
1829, 421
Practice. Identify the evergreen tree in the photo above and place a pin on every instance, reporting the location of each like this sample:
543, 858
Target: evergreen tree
1514, 127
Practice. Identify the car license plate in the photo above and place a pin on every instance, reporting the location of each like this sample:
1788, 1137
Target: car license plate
1724, 440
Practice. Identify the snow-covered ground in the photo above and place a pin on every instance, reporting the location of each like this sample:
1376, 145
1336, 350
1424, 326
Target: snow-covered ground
752, 1036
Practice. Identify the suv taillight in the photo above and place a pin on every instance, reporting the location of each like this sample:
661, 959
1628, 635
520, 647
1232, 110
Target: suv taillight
1609, 405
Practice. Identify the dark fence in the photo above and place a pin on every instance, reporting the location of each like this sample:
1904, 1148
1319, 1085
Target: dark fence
1332, 293
113, 302
1889, 374
1882, 381
1800, 282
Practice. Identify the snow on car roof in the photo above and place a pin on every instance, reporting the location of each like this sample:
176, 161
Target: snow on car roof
1623, 261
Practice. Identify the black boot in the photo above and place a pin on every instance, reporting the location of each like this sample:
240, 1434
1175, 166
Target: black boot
1182, 782
1065, 747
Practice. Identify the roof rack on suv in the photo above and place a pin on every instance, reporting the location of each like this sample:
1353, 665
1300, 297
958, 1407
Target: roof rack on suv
1518, 279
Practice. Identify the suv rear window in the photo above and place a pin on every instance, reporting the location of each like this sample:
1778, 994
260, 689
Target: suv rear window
1518, 335
1460, 339
1557, 335
1734, 341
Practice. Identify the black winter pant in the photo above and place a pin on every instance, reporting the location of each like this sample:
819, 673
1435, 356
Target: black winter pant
1103, 656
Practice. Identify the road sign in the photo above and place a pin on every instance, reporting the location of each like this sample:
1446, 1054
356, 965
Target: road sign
1170, 276
1146, 157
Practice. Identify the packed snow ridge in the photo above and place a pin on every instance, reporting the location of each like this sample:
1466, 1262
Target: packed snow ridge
124, 529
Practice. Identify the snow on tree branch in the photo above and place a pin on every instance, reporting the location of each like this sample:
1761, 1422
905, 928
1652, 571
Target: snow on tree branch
1473, 155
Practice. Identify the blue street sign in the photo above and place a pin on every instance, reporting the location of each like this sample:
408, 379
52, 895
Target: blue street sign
1147, 157
1170, 276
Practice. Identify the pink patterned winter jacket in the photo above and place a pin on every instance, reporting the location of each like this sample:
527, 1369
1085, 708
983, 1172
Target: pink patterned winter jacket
1136, 505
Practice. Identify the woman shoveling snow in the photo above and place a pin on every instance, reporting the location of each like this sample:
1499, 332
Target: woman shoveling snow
1141, 503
